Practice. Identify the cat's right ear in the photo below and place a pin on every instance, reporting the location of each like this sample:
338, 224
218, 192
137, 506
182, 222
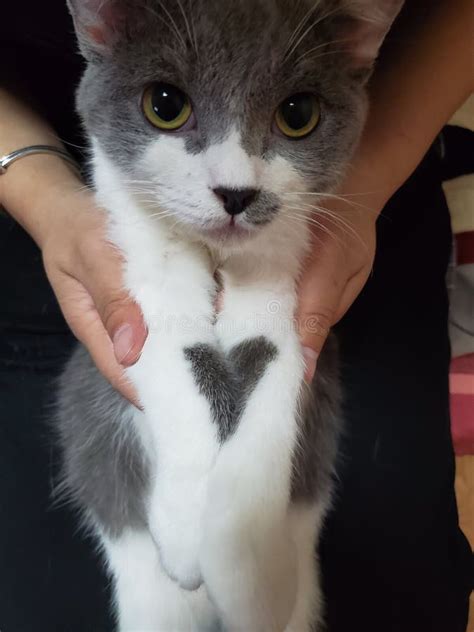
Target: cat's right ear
369, 23
98, 24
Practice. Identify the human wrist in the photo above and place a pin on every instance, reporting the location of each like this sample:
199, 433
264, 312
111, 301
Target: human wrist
33, 192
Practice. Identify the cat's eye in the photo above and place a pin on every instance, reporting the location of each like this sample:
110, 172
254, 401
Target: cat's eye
298, 115
166, 106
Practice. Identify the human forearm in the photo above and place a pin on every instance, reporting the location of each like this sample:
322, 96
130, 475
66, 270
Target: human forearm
420, 81
45, 195
418, 85
31, 183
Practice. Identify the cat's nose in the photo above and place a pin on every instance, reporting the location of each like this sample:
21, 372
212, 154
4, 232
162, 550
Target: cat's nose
235, 201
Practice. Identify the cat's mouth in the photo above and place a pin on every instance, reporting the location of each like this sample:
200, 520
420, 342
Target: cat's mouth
232, 230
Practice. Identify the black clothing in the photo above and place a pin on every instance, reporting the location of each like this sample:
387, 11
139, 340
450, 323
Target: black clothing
40, 62
393, 556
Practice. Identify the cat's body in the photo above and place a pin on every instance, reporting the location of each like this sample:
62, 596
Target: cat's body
208, 503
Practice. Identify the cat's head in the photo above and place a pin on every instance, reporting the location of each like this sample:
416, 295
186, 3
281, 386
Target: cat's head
222, 114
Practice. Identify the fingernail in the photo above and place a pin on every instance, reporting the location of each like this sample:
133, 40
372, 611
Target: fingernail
123, 342
310, 359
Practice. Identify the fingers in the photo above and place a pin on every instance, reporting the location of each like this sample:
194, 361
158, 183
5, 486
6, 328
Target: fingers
86, 324
121, 317
123, 321
325, 296
95, 338
334, 275
352, 290
319, 298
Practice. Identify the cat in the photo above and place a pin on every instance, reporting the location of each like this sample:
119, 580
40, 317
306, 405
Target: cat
214, 126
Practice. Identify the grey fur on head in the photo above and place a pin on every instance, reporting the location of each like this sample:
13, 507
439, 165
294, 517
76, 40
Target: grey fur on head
237, 60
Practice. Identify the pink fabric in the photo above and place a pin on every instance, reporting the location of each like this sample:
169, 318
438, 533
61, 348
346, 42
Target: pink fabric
462, 404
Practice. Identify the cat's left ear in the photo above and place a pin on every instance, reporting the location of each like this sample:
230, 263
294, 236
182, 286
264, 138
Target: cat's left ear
370, 21
98, 24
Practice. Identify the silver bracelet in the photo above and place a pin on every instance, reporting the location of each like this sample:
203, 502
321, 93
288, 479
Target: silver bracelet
8, 159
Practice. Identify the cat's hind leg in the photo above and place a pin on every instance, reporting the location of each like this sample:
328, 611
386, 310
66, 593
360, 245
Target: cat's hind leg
146, 600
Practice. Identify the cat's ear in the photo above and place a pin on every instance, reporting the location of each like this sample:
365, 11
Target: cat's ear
98, 24
369, 23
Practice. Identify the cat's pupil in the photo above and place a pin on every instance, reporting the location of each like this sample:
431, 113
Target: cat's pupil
297, 110
167, 102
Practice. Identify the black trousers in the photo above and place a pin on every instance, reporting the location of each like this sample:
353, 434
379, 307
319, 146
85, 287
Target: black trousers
393, 556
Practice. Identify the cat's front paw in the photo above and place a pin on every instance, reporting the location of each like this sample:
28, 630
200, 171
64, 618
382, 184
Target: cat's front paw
176, 529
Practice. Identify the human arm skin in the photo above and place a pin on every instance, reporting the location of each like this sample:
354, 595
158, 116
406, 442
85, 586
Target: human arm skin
419, 83
46, 196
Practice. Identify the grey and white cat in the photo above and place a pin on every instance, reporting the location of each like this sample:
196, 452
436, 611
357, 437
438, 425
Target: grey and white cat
214, 124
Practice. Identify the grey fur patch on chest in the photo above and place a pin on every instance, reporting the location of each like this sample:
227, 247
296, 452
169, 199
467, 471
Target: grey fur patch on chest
105, 469
228, 381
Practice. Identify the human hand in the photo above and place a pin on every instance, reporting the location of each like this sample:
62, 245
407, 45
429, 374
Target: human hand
84, 270
339, 264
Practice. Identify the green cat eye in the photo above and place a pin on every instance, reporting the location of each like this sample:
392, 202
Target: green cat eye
166, 106
298, 115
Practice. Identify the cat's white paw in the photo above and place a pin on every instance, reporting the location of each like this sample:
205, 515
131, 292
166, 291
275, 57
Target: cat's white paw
176, 527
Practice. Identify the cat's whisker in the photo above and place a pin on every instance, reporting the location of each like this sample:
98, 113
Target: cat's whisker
299, 221
339, 51
193, 27
300, 39
171, 24
188, 27
324, 194
300, 26
333, 219
151, 203
70, 144
84, 187
333, 51
309, 52
301, 214
160, 215
346, 228
173, 226
342, 198
288, 225
140, 190
319, 225
136, 180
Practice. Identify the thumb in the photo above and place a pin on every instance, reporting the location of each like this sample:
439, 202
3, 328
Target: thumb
120, 315
319, 296
81, 313
122, 319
